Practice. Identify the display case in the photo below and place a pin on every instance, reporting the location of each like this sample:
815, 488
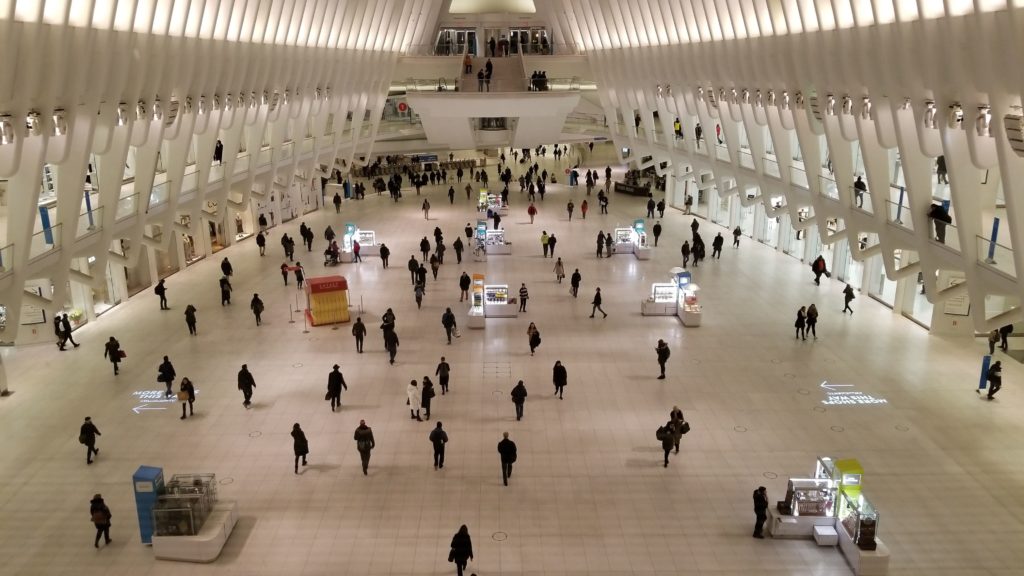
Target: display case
476, 302
498, 303
184, 506
480, 247
623, 241
809, 497
661, 302
689, 308
494, 243
859, 519
368, 245
639, 238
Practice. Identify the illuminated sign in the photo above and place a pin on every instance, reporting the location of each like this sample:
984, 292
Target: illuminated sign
148, 397
840, 394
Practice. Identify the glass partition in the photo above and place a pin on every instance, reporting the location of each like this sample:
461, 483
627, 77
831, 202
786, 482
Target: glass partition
6, 255
89, 221
996, 256
44, 242
126, 206
159, 195
771, 167
899, 215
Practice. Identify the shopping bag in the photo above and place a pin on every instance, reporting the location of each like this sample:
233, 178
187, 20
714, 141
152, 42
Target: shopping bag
121, 354
457, 333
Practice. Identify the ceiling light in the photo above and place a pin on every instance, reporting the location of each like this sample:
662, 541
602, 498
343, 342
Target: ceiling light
800, 100
158, 110
983, 123
830, 105
847, 105
929, 115
956, 115
60, 122
6, 130
865, 108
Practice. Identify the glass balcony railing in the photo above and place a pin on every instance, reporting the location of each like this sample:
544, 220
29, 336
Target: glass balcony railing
771, 167
828, 187
159, 195
127, 206
996, 256
722, 153
44, 242
746, 159
798, 176
950, 238
6, 258
862, 200
89, 222
898, 214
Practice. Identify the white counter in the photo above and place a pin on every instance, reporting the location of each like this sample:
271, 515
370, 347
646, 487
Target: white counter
785, 526
501, 310
690, 319
499, 249
204, 546
642, 252
651, 308
622, 248
864, 562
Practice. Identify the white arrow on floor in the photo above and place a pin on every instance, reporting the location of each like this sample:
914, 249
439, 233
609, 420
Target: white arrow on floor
145, 407
828, 386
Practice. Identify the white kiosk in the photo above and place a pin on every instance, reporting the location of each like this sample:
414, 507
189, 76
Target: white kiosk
498, 303
367, 239
622, 241
480, 244
641, 249
495, 243
476, 303
662, 301
688, 309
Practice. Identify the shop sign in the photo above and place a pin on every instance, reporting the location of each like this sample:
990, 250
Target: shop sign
845, 394
152, 400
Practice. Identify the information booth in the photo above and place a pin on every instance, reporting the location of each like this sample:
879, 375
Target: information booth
639, 237
622, 241
476, 302
495, 243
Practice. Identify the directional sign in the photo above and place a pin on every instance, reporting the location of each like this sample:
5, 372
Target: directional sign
152, 400
839, 394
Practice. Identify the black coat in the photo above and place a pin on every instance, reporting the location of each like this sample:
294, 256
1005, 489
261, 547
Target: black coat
335, 382
301, 445
507, 450
519, 394
245, 380
462, 548
560, 376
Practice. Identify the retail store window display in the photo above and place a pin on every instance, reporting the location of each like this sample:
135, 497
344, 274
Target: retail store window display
495, 243
476, 302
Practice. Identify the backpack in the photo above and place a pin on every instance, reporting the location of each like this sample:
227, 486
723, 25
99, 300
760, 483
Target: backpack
99, 517
661, 433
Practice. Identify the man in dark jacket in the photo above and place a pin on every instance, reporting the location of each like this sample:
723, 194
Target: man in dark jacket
100, 516
335, 384
246, 383
657, 232
166, 375
464, 283
385, 253
663, 354
413, 267
519, 398
448, 321
443, 372
560, 377
760, 510
65, 326
359, 331
364, 443
666, 434
507, 450
597, 304
458, 246
716, 246
438, 438
391, 344
87, 435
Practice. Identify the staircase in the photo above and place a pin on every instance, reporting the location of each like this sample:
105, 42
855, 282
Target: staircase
507, 75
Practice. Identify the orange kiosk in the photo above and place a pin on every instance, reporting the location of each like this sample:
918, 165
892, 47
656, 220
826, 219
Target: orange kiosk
327, 300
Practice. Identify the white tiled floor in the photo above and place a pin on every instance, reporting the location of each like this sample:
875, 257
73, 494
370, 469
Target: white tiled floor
589, 495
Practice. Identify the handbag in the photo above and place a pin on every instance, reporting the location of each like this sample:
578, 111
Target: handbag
327, 396
121, 354
457, 333
183, 396
82, 439
451, 555
684, 427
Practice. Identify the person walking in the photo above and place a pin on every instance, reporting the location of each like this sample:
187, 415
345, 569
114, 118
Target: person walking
665, 434
801, 323
663, 353
533, 337
426, 209
544, 242
524, 295
464, 283
112, 351
848, 297
414, 266
161, 291
300, 445
165, 374
551, 244
736, 232
676, 416
458, 246
462, 546
424, 249
187, 396
426, 395
58, 331
443, 372
226, 268
256, 305
596, 302
448, 322
531, 211
559, 270
812, 321
300, 274
65, 326
355, 251
391, 345
1004, 335
574, 282
560, 377
438, 438
818, 267
760, 510
337, 203
650, 207
246, 383
261, 242
995, 378
225, 291
284, 272
87, 434
584, 206
418, 291
716, 246
190, 319
100, 516
569, 208
413, 398
685, 250
657, 232
359, 331
519, 398
993, 339
335, 384
364, 444
385, 253
507, 452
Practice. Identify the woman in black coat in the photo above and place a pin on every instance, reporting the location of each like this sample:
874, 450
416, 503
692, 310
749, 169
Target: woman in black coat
462, 549
301, 446
560, 377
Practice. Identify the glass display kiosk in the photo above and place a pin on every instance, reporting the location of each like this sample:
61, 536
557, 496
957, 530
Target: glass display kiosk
623, 241
857, 529
190, 523
480, 246
368, 245
482, 202
662, 301
498, 303
639, 238
689, 310
476, 302
495, 243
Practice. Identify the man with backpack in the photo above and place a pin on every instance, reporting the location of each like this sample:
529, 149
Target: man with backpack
663, 354
665, 435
